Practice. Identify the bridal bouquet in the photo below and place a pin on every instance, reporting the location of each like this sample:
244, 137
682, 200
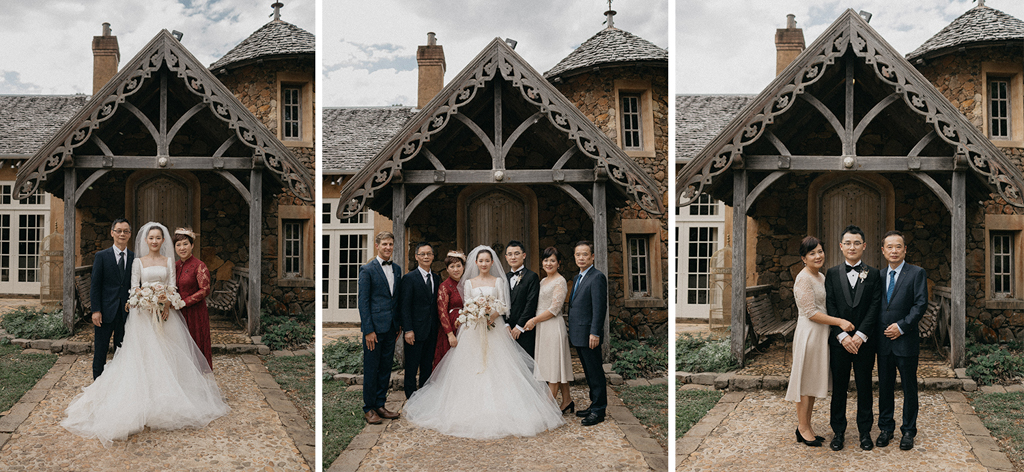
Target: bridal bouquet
148, 297
474, 311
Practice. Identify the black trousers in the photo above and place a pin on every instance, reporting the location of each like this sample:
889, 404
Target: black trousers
840, 363
527, 340
101, 341
419, 356
592, 368
377, 370
907, 367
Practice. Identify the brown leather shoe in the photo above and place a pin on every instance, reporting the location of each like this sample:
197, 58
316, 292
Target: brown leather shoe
371, 417
385, 413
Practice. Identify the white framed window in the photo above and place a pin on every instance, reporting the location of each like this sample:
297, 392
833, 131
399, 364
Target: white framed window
999, 109
292, 248
632, 134
632, 113
295, 106
1003, 277
291, 113
23, 226
346, 245
296, 248
639, 266
701, 244
704, 206
699, 234
1002, 264
1002, 92
642, 282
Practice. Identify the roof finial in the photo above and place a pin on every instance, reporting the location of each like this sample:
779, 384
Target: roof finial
277, 10
610, 14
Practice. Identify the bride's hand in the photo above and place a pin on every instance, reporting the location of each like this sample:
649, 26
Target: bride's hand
166, 313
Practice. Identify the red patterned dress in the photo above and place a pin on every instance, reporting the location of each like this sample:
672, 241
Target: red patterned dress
193, 279
449, 306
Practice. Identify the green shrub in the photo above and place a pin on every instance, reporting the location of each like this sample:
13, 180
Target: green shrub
284, 331
34, 323
346, 356
702, 354
991, 364
634, 359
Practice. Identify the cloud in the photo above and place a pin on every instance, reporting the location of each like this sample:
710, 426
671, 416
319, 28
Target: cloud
10, 83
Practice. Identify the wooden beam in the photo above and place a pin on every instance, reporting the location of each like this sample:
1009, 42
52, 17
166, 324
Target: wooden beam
861, 163
874, 112
936, 189
432, 158
601, 255
255, 250
163, 142
525, 125
849, 145
419, 199
237, 184
88, 182
762, 186
959, 270
174, 162
70, 251
528, 176
565, 157
580, 199
826, 113
145, 122
479, 134
184, 119
739, 264
498, 156
398, 224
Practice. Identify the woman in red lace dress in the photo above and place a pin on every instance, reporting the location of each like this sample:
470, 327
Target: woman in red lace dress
193, 279
449, 304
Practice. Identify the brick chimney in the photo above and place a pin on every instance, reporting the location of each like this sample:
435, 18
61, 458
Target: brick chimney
789, 43
105, 56
430, 59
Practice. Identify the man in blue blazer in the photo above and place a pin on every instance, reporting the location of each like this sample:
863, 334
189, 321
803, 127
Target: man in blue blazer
111, 280
588, 307
904, 300
419, 318
380, 283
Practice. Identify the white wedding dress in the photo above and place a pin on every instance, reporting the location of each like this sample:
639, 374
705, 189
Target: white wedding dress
484, 388
158, 378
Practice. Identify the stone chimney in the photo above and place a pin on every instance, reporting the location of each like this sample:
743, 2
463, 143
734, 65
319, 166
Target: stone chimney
105, 56
430, 59
789, 43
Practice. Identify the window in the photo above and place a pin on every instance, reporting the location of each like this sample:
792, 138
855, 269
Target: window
23, 227
1002, 264
292, 248
631, 134
347, 244
702, 242
295, 246
999, 109
701, 230
1003, 277
704, 206
291, 113
639, 266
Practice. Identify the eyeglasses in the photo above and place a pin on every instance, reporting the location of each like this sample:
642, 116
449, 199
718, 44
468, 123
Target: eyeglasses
852, 243
122, 231
423, 254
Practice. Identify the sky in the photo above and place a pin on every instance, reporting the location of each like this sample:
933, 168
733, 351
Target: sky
728, 46
47, 45
369, 48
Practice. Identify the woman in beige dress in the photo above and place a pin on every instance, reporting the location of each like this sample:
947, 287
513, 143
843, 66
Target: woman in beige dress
809, 378
553, 364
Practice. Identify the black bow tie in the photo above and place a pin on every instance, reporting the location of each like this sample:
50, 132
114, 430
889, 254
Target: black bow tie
516, 273
849, 267
385, 263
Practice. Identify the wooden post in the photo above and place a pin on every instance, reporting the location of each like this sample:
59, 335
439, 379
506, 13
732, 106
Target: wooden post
401, 251
255, 249
739, 264
601, 255
959, 270
70, 184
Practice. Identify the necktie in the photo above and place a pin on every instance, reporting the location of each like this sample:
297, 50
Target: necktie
430, 283
576, 286
892, 284
120, 261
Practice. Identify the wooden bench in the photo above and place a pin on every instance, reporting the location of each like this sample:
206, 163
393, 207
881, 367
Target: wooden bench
929, 324
761, 320
227, 298
83, 290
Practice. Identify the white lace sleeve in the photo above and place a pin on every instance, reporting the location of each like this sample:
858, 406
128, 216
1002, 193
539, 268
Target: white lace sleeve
558, 296
136, 272
172, 277
803, 292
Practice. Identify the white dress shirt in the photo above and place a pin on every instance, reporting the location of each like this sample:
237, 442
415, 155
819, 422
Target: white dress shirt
389, 274
852, 276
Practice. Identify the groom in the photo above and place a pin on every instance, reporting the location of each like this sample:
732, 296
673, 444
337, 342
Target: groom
111, 281
853, 291
380, 283
588, 306
419, 317
525, 290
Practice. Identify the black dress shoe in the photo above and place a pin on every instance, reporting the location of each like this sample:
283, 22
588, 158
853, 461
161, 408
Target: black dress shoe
813, 443
837, 442
907, 442
866, 443
883, 438
583, 413
592, 419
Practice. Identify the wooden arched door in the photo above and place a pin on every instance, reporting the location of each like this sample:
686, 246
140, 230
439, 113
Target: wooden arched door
169, 198
865, 201
493, 216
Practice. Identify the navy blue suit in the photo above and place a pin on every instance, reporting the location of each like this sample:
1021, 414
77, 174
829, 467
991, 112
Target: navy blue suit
419, 314
907, 306
108, 295
378, 313
588, 308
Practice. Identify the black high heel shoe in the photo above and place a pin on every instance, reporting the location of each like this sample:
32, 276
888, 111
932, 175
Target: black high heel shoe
571, 407
800, 439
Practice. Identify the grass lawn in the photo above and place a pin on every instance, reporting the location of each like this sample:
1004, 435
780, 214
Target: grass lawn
342, 419
691, 406
20, 372
1003, 415
649, 403
297, 377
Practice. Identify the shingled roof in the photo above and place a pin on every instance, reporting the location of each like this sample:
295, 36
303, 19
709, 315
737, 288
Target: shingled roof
353, 135
699, 118
609, 46
27, 122
980, 24
274, 39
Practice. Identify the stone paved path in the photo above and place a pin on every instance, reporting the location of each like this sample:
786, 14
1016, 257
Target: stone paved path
755, 431
612, 445
254, 436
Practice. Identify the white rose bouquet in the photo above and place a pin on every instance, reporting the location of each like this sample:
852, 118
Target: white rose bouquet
474, 311
147, 297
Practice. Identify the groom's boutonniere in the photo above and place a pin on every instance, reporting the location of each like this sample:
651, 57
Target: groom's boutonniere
863, 275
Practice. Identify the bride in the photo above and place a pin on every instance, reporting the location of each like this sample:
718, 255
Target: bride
159, 377
484, 387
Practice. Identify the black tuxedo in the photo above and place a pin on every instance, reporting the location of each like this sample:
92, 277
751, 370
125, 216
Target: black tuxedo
108, 295
418, 308
860, 306
524, 306
907, 306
